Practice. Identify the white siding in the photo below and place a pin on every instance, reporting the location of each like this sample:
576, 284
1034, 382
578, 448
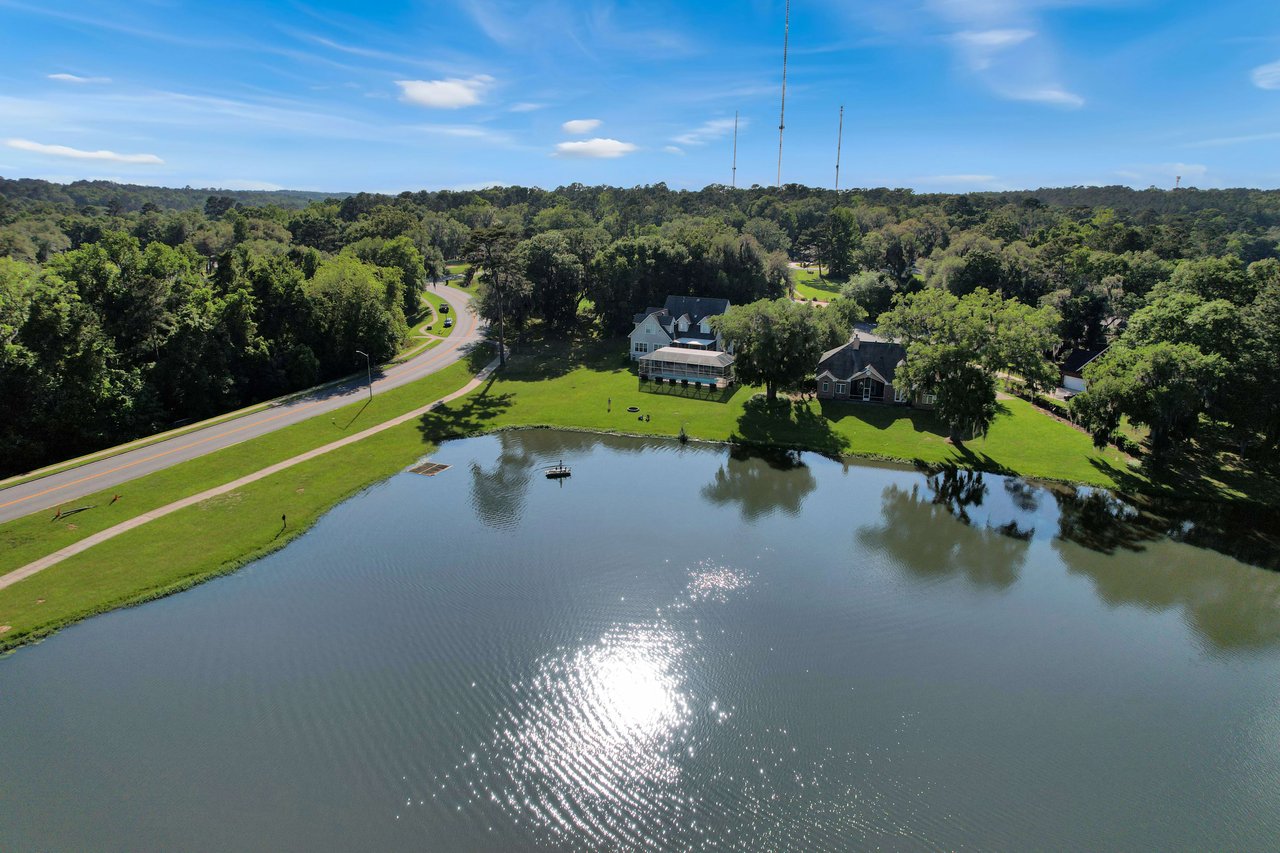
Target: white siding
1073, 383
650, 333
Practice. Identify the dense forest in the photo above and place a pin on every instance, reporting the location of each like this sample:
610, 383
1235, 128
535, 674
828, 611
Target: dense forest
124, 309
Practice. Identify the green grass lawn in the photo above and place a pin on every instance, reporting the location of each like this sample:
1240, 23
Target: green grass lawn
437, 323
810, 286
590, 386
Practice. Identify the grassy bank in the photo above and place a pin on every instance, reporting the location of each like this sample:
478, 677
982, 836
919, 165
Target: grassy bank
590, 386
579, 386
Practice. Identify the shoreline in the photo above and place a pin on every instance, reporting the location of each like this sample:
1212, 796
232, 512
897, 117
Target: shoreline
38, 633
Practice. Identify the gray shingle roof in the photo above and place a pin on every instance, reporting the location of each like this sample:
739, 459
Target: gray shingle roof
851, 359
696, 307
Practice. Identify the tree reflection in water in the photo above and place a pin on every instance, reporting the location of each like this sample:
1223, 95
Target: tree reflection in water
986, 556
750, 478
498, 494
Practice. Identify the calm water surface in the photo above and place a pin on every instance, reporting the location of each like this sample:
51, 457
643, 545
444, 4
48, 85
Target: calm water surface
674, 649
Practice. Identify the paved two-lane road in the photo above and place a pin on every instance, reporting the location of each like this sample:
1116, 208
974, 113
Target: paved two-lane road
65, 486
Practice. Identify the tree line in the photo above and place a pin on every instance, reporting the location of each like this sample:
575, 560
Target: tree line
124, 309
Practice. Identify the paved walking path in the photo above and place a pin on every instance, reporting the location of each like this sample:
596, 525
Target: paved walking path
137, 521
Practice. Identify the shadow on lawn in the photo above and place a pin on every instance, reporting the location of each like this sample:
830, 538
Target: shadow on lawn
787, 424
689, 392
881, 416
467, 416
539, 357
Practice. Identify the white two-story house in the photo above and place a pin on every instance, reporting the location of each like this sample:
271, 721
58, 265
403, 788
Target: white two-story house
676, 343
684, 321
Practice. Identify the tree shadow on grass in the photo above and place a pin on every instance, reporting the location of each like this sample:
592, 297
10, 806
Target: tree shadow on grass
881, 415
467, 416
540, 356
785, 424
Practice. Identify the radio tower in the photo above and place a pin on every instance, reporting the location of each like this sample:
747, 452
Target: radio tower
733, 182
782, 113
839, 139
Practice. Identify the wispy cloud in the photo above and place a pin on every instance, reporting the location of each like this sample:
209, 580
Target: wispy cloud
673, 149
448, 94
1048, 95
527, 107
79, 154
1003, 44
75, 78
595, 148
1267, 76
465, 131
1234, 140
716, 128
579, 126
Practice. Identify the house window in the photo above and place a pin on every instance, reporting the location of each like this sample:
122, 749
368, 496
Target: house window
928, 399
826, 387
899, 395
842, 388
640, 347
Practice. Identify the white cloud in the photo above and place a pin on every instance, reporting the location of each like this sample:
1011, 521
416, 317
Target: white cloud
73, 78
1267, 76
992, 38
1047, 95
448, 94
580, 126
672, 149
78, 154
714, 129
595, 148
526, 107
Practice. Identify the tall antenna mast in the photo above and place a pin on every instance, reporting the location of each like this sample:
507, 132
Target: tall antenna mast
839, 139
733, 182
1177, 182
782, 113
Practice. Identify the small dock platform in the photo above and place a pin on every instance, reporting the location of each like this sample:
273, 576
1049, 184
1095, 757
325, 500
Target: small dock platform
558, 472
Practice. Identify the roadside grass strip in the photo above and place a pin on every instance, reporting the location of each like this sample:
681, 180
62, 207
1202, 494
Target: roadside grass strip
182, 542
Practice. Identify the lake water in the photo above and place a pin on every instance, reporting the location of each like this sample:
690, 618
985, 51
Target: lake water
676, 649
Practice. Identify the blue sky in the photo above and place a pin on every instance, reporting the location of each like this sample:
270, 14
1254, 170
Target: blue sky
387, 96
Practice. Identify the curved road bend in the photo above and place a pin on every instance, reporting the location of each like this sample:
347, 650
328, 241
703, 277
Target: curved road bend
65, 486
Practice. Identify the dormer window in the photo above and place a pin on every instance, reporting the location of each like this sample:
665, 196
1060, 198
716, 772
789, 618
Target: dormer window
684, 324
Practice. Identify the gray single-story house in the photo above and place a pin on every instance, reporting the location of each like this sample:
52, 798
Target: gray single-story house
865, 370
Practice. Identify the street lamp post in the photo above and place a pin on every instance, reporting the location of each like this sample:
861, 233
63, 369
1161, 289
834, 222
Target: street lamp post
368, 369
